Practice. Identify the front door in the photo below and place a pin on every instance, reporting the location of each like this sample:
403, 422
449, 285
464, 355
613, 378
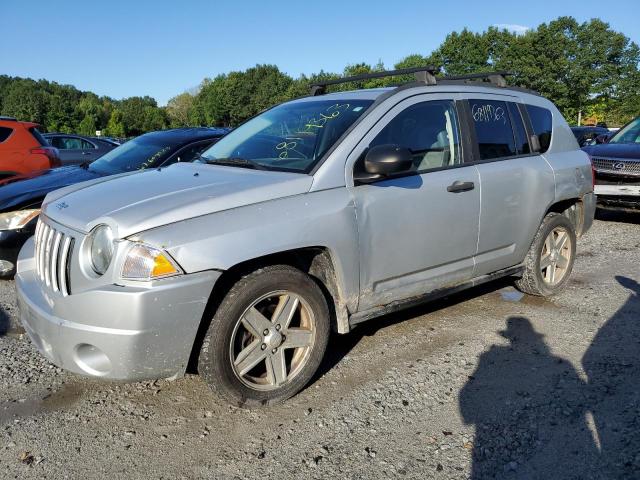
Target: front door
418, 232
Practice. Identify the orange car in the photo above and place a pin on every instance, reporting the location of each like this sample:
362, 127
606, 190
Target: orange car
23, 149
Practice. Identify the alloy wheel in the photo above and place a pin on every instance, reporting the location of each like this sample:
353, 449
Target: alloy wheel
272, 340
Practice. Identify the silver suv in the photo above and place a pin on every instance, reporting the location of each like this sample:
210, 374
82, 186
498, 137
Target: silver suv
318, 214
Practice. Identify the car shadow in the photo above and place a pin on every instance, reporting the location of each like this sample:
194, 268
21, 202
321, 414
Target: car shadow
5, 323
619, 216
535, 417
340, 345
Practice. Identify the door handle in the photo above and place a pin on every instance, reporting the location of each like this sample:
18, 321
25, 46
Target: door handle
459, 186
87, 153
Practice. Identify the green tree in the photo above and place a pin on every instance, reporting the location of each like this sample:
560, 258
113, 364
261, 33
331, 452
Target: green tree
115, 126
87, 126
179, 110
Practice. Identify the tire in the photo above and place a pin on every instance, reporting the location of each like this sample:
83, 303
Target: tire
297, 312
537, 278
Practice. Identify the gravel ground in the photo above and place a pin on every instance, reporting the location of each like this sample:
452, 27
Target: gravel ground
486, 384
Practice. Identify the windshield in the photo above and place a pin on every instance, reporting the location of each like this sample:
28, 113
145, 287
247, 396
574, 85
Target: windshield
137, 154
290, 137
629, 134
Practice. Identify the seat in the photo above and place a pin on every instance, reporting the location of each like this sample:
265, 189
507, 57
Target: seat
439, 156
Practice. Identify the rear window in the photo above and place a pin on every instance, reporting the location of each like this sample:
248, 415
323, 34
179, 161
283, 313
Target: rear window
493, 129
4, 133
38, 136
542, 123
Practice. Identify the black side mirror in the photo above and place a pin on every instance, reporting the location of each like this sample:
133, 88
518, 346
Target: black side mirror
604, 138
385, 160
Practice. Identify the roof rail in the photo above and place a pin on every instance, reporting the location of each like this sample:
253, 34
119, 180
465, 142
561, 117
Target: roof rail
495, 78
11, 119
424, 74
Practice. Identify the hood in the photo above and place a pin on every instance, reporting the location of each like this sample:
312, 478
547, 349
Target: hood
18, 192
137, 202
614, 150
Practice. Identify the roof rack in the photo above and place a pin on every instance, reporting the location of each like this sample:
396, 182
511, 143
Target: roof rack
426, 75
495, 78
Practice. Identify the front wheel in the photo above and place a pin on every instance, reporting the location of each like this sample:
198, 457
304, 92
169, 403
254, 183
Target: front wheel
267, 337
549, 261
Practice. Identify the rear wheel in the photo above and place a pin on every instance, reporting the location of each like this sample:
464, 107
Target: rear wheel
267, 338
550, 259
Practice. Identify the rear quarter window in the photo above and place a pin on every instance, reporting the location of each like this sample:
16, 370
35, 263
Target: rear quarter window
542, 124
5, 132
38, 136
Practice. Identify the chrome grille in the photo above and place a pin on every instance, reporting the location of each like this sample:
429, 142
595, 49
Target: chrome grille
617, 166
53, 254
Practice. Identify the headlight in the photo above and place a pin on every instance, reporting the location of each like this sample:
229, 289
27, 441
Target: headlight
147, 263
101, 248
18, 219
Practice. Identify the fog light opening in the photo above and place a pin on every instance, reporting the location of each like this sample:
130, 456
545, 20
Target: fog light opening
92, 360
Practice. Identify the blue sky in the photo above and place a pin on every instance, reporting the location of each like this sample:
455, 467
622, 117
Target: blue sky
162, 48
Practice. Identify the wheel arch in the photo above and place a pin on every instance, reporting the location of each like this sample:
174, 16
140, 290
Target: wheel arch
573, 209
317, 261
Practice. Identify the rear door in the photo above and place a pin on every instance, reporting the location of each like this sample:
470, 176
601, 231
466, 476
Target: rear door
517, 184
417, 232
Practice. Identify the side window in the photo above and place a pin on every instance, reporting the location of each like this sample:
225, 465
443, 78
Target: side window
86, 145
4, 133
429, 130
542, 123
493, 129
70, 143
189, 153
56, 142
522, 143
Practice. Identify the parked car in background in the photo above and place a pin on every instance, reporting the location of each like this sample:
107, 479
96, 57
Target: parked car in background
587, 135
616, 163
75, 149
20, 197
318, 214
23, 149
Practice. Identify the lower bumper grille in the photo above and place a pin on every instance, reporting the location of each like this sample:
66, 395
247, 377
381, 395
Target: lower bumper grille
53, 253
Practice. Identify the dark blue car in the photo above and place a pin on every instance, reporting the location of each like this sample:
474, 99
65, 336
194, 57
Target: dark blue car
616, 162
21, 197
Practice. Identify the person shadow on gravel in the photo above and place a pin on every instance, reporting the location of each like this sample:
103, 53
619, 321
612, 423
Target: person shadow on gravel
612, 364
529, 410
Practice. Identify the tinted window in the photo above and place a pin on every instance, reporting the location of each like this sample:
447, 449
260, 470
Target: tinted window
38, 136
189, 153
628, 134
493, 129
542, 124
71, 143
522, 143
4, 133
137, 154
429, 130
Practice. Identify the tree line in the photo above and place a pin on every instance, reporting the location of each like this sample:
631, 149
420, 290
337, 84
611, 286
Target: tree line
587, 69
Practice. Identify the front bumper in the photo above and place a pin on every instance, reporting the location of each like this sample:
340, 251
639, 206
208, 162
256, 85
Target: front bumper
624, 197
116, 332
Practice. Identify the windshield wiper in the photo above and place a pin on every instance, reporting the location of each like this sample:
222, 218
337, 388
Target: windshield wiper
234, 162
